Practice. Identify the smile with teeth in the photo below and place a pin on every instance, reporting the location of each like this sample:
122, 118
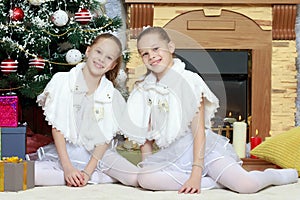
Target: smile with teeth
98, 65
156, 62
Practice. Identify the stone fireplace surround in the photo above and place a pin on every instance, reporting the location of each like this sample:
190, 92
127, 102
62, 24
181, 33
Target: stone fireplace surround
265, 27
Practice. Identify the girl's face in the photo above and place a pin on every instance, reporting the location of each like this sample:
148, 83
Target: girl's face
102, 56
157, 54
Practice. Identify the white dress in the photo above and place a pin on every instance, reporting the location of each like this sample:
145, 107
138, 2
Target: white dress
85, 121
170, 105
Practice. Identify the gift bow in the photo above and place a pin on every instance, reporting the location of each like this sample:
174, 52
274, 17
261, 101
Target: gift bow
13, 159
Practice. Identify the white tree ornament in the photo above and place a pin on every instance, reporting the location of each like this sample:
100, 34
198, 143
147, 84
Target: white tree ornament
73, 56
36, 2
60, 18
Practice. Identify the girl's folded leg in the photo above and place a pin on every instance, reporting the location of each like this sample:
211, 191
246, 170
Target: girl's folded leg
233, 176
48, 173
118, 167
171, 180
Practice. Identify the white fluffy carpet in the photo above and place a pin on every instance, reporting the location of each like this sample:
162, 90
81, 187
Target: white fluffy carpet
120, 192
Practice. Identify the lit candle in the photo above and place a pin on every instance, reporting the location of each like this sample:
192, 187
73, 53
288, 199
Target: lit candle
254, 141
240, 117
239, 138
230, 119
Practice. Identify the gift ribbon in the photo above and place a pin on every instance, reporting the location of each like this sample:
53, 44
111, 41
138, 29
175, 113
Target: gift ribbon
1, 176
25, 176
13, 159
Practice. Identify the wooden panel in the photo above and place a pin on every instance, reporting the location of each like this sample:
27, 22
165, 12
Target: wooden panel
257, 164
204, 25
284, 19
246, 35
217, 1
140, 15
261, 14
261, 91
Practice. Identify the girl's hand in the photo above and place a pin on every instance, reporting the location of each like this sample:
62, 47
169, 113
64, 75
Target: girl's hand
85, 181
74, 177
191, 186
86, 178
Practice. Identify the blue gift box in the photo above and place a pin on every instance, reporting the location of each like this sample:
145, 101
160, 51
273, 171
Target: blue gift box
13, 141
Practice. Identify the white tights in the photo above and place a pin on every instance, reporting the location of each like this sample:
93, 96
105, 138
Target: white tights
120, 168
117, 168
238, 179
233, 177
50, 173
47, 173
166, 181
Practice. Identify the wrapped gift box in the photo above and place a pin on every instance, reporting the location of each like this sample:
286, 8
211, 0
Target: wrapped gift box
13, 141
9, 111
16, 176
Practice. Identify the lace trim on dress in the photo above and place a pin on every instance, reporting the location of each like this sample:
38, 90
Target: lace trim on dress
171, 104
57, 104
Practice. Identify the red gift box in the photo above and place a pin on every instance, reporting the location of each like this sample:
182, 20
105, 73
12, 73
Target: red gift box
9, 111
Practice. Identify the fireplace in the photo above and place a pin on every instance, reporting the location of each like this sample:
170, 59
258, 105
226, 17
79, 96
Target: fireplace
226, 74
264, 28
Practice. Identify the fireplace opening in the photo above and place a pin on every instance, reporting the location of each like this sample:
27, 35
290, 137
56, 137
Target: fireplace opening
227, 74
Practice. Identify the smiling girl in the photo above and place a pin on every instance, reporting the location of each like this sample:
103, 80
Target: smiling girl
78, 105
173, 107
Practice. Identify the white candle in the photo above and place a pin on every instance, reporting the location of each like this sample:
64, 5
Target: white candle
239, 138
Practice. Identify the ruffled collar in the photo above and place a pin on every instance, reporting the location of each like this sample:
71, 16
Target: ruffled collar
178, 68
169, 80
103, 93
169, 105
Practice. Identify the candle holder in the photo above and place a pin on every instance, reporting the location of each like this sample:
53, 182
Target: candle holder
229, 120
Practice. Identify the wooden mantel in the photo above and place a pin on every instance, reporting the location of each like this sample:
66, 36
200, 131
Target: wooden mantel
217, 1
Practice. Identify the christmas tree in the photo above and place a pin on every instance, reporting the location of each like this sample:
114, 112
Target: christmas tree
41, 37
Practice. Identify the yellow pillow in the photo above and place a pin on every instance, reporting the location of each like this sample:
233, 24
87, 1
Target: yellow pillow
282, 150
